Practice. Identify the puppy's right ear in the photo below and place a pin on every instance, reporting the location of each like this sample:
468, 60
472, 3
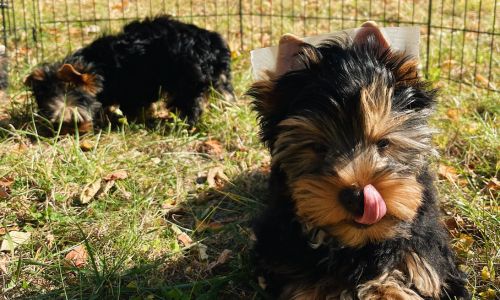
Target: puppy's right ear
290, 50
36, 75
293, 55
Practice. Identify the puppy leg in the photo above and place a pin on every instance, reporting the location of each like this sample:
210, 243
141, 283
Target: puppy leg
190, 104
389, 286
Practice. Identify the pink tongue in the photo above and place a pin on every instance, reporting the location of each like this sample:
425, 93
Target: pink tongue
375, 207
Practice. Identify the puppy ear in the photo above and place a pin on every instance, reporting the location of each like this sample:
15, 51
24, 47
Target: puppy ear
290, 49
37, 74
68, 73
370, 29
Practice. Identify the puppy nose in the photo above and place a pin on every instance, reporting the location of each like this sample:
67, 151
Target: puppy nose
353, 200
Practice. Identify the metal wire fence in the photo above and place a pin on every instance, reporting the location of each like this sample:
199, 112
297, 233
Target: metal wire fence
459, 42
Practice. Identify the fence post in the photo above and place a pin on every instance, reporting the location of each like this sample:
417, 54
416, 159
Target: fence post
3, 7
429, 27
241, 25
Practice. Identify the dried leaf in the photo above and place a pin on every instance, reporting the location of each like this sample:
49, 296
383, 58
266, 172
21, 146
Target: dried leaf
4, 262
447, 172
14, 239
4, 193
90, 191
86, 145
483, 80
222, 259
452, 114
5, 183
211, 147
202, 226
182, 236
216, 177
493, 184
104, 190
77, 256
116, 175
4, 230
121, 6
202, 251
184, 239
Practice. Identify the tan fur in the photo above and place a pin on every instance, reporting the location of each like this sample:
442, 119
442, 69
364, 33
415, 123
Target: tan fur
317, 203
68, 73
67, 111
423, 276
388, 286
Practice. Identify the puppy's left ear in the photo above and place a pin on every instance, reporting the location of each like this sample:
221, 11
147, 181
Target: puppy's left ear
68, 73
371, 33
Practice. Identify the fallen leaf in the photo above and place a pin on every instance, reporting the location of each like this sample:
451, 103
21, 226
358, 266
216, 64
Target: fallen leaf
4, 262
484, 81
181, 236
452, 114
90, 191
77, 256
202, 251
184, 239
211, 147
222, 259
14, 239
5, 183
86, 145
121, 6
202, 226
50, 240
116, 175
4, 230
104, 190
493, 184
4, 193
216, 176
447, 172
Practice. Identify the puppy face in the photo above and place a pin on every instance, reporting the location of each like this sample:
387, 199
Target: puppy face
347, 124
66, 94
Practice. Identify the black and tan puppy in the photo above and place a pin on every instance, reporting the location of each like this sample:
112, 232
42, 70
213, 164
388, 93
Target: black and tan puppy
149, 59
353, 212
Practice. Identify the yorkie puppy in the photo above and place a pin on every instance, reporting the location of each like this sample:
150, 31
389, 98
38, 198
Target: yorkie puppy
353, 213
149, 59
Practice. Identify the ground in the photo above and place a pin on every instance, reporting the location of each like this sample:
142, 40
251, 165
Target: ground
165, 212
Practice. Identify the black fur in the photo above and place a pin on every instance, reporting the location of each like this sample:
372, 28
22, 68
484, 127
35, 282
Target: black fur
150, 58
331, 88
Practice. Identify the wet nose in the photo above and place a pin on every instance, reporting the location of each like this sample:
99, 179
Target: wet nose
353, 200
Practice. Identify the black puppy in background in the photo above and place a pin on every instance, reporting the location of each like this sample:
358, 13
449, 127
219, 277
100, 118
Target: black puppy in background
149, 59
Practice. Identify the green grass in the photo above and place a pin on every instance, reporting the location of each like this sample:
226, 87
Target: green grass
130, 232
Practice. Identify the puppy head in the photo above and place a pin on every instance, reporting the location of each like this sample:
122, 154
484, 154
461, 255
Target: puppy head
66, 93
347, 124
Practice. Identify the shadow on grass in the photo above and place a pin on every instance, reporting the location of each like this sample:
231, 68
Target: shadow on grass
220, 219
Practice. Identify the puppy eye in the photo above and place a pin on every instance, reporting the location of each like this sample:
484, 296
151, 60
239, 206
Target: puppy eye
383, 144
